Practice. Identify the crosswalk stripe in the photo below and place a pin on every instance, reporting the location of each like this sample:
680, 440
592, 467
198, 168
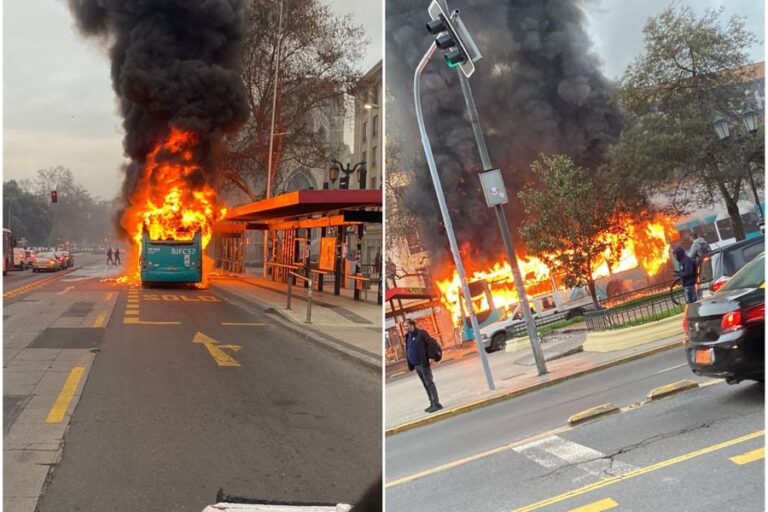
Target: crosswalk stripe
554, 452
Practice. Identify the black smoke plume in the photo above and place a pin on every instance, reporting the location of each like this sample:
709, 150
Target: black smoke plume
175, 63
538, 89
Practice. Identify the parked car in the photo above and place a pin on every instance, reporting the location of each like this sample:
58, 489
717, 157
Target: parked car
725, 334
47, 261
717, 267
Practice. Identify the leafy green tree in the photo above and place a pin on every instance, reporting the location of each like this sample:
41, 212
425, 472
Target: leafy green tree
573, 219
692, 71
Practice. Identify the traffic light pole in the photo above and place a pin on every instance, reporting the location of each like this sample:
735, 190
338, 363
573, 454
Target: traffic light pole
446, 215
530, 324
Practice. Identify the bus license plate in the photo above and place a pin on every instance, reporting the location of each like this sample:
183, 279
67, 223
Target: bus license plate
705, 356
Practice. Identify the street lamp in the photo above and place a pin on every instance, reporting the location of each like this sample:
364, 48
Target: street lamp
750, 119
333, 173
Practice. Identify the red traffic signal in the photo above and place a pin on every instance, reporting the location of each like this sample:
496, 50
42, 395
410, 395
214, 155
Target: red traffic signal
54, 196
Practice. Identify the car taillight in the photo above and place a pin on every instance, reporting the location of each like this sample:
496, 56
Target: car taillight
731, 322
718, 283
756, 314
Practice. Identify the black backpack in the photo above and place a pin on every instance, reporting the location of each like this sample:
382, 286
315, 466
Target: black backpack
434, 350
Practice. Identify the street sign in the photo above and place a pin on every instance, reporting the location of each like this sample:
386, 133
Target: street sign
327, 253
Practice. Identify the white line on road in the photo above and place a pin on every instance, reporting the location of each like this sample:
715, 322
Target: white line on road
670, 369
65, 290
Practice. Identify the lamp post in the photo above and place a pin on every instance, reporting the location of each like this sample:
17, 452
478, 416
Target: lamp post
750, 119
333, 173
268, 193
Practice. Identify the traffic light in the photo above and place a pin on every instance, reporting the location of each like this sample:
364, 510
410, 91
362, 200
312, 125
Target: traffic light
453, 39
54, 196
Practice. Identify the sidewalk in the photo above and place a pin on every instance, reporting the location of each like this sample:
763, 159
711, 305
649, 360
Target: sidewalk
346, 325
462, 386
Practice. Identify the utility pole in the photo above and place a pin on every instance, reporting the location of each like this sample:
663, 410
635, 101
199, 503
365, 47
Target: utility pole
530, 323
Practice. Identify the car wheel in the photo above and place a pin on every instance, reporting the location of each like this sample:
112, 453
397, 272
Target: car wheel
499, 342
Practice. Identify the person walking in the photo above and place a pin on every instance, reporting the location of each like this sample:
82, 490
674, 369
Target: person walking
418, 359
687, 274
109, 257
699, 247
117, 256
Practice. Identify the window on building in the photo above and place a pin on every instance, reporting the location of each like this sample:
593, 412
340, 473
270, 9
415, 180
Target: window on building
375, 126
365, 131
373, 182
365, 159
376, 94
414, 243
373, 157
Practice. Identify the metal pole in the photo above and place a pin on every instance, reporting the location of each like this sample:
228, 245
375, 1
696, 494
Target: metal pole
288, 306
446, 215
268, 193
309, 303
530, 323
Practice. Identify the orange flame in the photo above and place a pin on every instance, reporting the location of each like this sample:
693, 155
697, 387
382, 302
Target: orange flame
647, 246
164, 202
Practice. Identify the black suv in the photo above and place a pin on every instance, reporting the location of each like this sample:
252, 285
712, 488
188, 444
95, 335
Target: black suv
717, 267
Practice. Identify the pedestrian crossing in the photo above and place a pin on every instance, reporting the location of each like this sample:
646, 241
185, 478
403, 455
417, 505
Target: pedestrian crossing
555, 452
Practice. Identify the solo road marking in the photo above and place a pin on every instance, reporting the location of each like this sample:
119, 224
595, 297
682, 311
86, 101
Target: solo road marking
748, 457
597, 506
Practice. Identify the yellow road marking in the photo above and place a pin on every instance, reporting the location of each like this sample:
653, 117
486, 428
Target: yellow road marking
133, 301
476, 456
256, 324
746, 458
61, 404
132, 312
99, 320
145, 322
639, 472
109, 296
221, 357
597, 506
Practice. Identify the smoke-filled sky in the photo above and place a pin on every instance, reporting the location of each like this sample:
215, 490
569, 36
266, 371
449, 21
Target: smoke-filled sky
59, 105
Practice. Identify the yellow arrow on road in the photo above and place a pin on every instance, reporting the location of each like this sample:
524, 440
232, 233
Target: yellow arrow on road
221, 357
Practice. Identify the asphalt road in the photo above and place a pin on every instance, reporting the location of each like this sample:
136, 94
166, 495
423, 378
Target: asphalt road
189, 394
653, 446
496, 425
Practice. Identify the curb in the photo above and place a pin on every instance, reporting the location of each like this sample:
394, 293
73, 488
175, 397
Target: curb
671, 389
519, 392
628, 337
593, 414
27, 287
338, 346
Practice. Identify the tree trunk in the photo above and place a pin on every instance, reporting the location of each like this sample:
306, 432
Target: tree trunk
733, 211
593, 291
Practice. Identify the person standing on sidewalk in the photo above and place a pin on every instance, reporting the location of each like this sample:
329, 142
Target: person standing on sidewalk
687, 274
117, 256
416, 354
109, 257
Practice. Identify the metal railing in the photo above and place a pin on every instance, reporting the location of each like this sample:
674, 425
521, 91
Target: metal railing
519, 329
309, 294
636, 313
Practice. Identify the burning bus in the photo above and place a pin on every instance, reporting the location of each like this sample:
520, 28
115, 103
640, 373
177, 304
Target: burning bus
171, 261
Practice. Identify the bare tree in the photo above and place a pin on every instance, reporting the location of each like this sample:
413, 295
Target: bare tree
318, 57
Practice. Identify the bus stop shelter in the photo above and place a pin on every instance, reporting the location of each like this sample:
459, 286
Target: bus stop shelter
308, 231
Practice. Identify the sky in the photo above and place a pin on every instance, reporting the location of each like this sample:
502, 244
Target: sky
59, 108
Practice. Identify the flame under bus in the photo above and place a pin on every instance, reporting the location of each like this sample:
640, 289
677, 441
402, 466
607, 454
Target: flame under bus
171, 261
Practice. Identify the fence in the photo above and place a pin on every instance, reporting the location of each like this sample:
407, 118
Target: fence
519, 329
636, 313
640, 293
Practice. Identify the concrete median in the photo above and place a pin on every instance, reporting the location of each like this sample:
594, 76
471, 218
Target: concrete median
619, 339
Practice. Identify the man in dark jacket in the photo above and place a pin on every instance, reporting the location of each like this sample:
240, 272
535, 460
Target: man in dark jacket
416, 354
687, 274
